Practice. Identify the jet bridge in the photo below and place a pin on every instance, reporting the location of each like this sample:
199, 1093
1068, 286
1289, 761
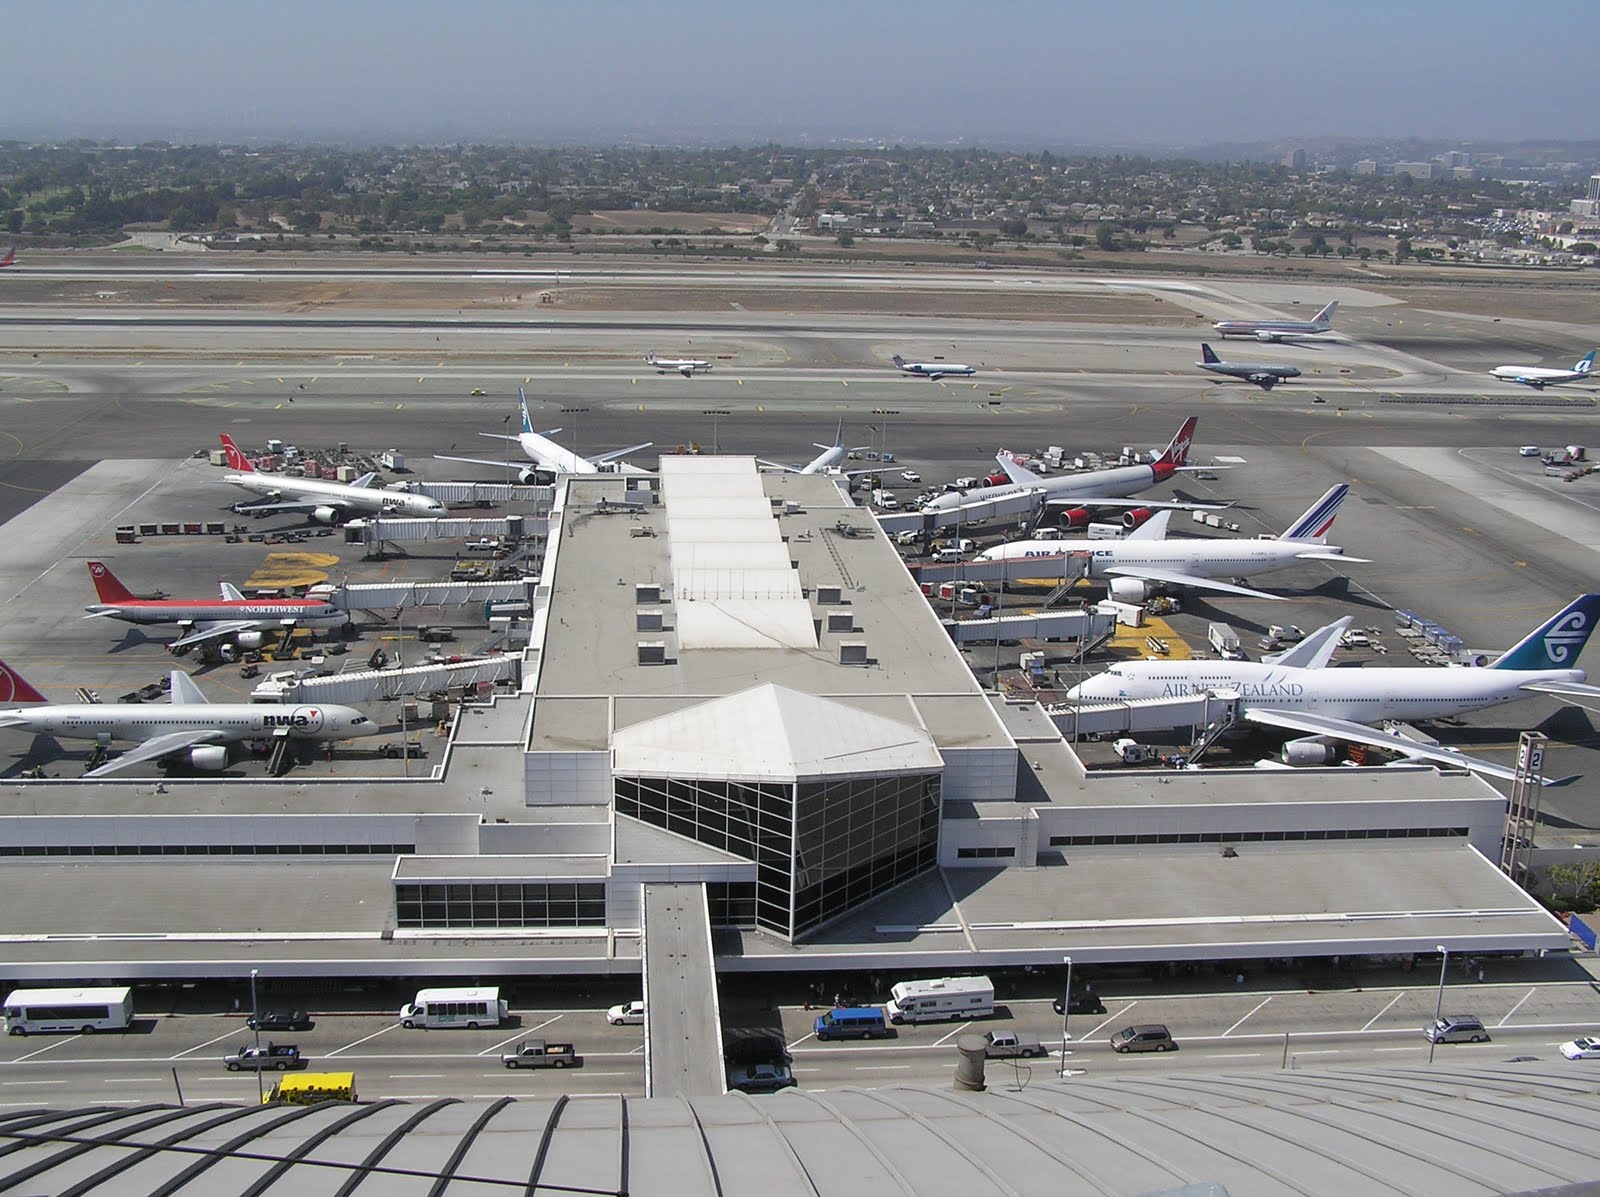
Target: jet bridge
370, 532
1083, 626
357, 687
1135, 715
1013, 506
393, 596
1059, 567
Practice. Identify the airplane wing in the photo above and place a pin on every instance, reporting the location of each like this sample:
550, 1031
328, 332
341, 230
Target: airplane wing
1265, 381
509, 465
215, 631
616, 453
778, 465
1360, 733
1574, 690
160, 746
1017, 473
1315, 650
289, 505
1152, 504
1173, 578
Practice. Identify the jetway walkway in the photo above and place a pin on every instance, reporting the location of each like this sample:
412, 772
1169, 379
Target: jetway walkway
1090, 626
1014, 506
373, 532
484, 492
1144, 714
359, 687
1066, 567
391, 596
682, 1022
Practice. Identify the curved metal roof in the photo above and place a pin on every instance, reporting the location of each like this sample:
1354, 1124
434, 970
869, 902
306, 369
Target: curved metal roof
1501, 1128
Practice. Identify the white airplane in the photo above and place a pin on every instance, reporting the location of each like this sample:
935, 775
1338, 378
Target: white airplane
1080, 493
1145, 557
1325, 706
1279, 330
324, 502
828, 461
1539, 377
549, 458
933, 370
187, 726
683, 365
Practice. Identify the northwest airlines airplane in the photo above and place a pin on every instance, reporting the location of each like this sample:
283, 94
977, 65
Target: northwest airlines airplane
1280, 330
1295, 692
1539, 377
187, 727
324, 502
232, 616
549, 458
933, 370
683, 365
1145, 558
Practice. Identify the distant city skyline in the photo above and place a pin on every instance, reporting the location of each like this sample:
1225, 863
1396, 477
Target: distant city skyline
1154, 73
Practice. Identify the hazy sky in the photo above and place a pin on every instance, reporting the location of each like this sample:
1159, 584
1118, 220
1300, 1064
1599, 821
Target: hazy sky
1114, 71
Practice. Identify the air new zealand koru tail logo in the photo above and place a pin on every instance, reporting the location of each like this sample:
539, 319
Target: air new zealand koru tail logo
1568, 633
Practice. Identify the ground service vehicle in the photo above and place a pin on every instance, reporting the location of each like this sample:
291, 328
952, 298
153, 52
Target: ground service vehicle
536, 1053
761, 1078
83, 1011
1224, 642
850, 1022
1143, 1037
282, 1056
309, 1088
473, 1008
1006, 1045
948, 998
280, 1020
629, 1014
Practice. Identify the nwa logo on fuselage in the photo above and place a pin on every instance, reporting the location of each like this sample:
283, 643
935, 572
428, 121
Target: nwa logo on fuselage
301, 719
1564, 635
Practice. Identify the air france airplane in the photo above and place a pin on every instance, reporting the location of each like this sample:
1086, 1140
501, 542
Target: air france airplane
933, 370
1279, 330
1296, 693
1539, 377
549, 458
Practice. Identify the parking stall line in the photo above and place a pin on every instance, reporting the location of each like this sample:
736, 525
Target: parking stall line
60, 1082
207, 1043
45, 1048
1111, 1018
363, 1039
951, 1035
1245, 1019
1517, 1007
1235, 1056
520, 1034
1385, 1010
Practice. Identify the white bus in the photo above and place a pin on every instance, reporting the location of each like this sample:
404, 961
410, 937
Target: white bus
481, 1007
949, 998
85, 1010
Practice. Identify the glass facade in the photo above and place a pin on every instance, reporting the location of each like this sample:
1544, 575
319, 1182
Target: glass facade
820, 848
500, 904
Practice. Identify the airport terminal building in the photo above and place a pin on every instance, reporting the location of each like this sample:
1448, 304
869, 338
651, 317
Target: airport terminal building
733, 690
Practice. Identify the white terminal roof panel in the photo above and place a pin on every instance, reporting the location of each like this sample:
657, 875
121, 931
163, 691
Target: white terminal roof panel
738, 623
752, 556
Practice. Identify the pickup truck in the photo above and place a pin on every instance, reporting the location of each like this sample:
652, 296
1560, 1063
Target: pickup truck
1005, 1045
536, 1053
282, 1056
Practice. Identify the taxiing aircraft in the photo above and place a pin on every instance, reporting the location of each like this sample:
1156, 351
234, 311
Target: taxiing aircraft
828, 461
549, 458
1079, 494
1326, 706
1145, 558
231, 617
1279, 330
187, 727
11, 257
687, 366
1539, 377
933, 370
324, 502
1265, 376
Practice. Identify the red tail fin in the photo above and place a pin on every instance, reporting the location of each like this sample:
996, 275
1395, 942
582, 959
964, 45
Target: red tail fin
1177, 453
11, 257
14, 689
106, 585
236, 459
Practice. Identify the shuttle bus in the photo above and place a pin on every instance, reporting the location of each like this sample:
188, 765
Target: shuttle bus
949, 998
28, 1011
480, 1007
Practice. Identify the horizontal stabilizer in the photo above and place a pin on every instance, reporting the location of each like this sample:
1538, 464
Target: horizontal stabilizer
1173, 578
1564, 689
616, 453
1314, 556
505, 465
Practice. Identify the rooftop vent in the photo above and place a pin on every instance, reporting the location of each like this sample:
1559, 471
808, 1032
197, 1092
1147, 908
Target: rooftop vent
645, 593
853, 652
652, 652
829, 596
841, 621
648, 620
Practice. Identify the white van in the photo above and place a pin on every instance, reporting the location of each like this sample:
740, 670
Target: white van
948, 999
948, 555
477, 1007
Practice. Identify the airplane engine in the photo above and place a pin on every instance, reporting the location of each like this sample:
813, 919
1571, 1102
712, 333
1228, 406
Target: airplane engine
1129, 590
1076, 517
1135, 517
531, 477
249, 639
326, 515
213, 758
1311, 750
997, 479
1266, 337
1266, 382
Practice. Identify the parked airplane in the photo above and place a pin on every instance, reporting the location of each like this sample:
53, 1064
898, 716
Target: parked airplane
1264, 375
1539, 377
683, 365
232, 616
549, 458
933, 370
1279, 330
1145, 557
828, 461
11, 257
1080, 493
324, 502
187, 726
1325, 706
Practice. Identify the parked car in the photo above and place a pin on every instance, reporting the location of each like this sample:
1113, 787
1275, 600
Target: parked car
1084, 1001
1143, 1037
761, 1078
1456, 1028
911, 475
629, 1014
282, 1056
1587, 1048
280, 1020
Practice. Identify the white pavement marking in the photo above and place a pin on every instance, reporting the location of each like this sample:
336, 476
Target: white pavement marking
45, 1048
1245, 1019
207, 1043
1324, 1051
882, 1067
587, 1072
801, 1040
520, 1034
1233, 1055
133, 1080
1384, 1011
957, 1031
363, 1039
1517, 1007
1394, 1049
62, 1082
416, 1076
1111, 1018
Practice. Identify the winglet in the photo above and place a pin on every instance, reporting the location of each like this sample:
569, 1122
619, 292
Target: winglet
184, 691
106, 585
1319, 517
13, 688
236, 458
1177, 453
1558, 641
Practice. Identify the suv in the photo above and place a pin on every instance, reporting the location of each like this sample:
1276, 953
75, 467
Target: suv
280, 1020
1084, 1001
1143, 1037
1456, 1028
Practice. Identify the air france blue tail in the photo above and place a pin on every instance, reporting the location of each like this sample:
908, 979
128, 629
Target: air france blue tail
1208, 354
522, 402
1558, 642
1584, 364
1314, 524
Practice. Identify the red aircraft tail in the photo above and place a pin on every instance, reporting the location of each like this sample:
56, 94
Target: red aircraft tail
1177, 453
236, 459
107, 586
14, 689
11, 257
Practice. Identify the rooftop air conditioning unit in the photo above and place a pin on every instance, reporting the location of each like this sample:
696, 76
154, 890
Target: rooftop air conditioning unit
645, 593
648, 620
652, 652
841, 621
853, 652
829, 596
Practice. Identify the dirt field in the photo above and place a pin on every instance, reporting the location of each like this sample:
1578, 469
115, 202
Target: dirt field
636, 220
1570, 304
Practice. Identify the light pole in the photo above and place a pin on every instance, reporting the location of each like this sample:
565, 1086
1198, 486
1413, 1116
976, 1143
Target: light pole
1066, 1011
577, 427
714, 413
1438, 1006
255, 1019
